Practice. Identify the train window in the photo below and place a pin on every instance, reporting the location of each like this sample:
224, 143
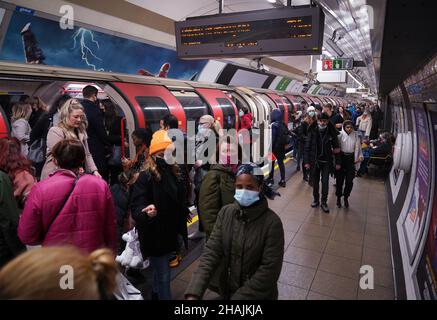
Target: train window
154, 109
290, 108
228, 113
280, 105
193, 105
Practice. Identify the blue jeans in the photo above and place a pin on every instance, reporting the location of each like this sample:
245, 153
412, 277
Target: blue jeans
161, 276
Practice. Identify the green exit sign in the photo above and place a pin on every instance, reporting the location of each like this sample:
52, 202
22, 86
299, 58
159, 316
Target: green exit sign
337, 64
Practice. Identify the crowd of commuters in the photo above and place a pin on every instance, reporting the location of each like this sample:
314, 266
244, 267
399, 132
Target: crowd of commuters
67, 195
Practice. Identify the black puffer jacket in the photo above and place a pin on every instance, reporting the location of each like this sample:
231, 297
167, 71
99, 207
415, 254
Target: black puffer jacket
332, 146
158, 235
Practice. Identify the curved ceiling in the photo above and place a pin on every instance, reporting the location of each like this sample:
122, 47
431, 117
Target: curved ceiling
347, 24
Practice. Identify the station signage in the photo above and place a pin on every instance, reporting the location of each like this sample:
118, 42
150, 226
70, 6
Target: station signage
337, 64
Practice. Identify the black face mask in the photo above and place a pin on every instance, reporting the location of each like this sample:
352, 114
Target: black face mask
161, 163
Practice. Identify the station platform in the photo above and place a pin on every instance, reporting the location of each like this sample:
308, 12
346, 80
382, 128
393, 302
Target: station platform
324, 252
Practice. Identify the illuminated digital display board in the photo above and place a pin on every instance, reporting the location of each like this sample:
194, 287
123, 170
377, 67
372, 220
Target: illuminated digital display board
281, 31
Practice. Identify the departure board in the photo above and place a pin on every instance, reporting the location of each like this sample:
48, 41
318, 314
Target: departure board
284, 31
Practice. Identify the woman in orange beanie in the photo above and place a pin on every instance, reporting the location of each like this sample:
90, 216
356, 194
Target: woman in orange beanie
158, 207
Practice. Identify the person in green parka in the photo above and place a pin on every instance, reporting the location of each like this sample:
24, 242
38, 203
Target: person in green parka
247, 241
218, 186
10, 244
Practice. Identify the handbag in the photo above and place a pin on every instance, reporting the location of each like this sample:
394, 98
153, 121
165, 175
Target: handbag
37, 151
115, 159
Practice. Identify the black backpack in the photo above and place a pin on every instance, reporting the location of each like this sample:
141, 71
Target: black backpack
284, 136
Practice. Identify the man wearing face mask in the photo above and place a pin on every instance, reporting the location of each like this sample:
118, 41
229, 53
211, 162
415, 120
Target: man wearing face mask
320, 147
301, 133
246, 248
98, 140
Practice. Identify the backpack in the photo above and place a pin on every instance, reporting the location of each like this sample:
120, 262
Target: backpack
284, 137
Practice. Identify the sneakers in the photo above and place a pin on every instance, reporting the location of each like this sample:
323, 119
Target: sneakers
315, 204
175, 261
346, 202
324, 207
282, 183
339, 202
269, 182
196, 235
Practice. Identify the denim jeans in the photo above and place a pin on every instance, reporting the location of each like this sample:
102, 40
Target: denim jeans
161, 276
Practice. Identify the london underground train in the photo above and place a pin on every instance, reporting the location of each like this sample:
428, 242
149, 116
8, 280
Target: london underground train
143, 101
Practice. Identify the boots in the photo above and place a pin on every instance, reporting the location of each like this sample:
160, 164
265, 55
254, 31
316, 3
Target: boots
346, 202
324, 207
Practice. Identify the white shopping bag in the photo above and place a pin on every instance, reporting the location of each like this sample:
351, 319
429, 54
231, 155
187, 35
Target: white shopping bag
125, 290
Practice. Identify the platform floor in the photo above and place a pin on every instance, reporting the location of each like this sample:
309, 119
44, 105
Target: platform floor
324, 252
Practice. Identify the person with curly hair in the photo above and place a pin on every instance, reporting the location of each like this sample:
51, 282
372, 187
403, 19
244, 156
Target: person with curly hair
17, 167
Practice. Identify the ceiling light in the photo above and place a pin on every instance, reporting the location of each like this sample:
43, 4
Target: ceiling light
271, 1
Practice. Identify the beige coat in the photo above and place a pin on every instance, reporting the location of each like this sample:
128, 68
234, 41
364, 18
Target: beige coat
55, 135
365, 124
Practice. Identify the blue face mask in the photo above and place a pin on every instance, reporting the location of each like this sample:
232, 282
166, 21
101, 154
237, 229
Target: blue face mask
312, 114
241, 113
246, 197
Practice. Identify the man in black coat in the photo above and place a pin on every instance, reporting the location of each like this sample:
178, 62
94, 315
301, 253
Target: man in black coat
320, 148
98, 141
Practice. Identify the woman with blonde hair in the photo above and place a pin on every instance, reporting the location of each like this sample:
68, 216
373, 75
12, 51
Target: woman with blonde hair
20, 125
42, 274
72, 125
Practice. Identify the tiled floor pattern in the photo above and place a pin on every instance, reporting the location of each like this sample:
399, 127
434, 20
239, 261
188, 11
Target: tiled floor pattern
324, 252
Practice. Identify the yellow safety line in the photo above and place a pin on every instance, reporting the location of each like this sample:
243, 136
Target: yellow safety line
277, 167
196, 217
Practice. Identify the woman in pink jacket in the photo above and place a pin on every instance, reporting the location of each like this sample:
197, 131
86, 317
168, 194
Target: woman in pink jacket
68, 209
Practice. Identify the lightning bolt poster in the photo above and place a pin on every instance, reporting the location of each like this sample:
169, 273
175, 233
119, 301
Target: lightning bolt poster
32, 39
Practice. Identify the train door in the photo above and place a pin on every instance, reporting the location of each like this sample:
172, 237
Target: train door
4, 125
291, 110
263, 120
279, 104
148, 104
224, 109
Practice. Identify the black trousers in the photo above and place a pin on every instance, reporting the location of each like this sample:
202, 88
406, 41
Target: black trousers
345, 176
321, 169
281, 169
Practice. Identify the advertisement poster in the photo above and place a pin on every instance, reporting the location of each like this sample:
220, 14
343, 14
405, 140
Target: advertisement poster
34, 39
427, 269
415, 218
